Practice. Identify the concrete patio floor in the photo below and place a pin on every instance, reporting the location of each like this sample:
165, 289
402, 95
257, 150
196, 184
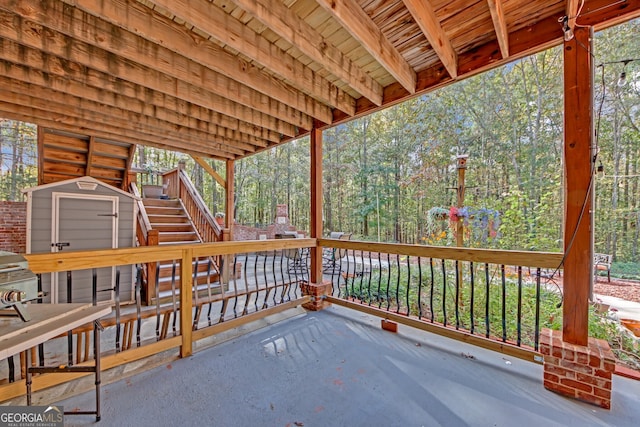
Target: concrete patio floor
338, 368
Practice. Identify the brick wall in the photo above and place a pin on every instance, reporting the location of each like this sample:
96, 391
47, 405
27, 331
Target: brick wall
13, 226
576, 371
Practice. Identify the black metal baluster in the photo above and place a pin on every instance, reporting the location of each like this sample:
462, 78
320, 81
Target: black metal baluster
235, 289
486, 308
173, 298
69, 333
537, 330
195, 293
457, 297
519, 306
209, 294
94, 286
247, 295
408, 285
12, 369
398, 284
504, 305
388, 281
116, 289
255, 275
379, 281
40, 346
444, 293
158, 300
138, 305
275, 278
473, 285
419, 288
431, 293
370, 276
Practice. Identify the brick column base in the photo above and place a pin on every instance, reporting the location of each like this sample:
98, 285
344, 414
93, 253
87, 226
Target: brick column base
317, 291
583, 373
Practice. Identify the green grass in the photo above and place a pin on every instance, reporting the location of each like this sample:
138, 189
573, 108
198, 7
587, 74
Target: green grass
625, 270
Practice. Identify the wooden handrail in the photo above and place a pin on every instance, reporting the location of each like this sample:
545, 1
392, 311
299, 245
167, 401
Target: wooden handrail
202, 219
69, 260
491, 256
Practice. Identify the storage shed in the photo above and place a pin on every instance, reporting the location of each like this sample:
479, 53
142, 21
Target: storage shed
82, 214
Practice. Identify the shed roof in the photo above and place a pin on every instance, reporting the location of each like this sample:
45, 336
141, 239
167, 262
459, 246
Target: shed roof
85, 180
228, 78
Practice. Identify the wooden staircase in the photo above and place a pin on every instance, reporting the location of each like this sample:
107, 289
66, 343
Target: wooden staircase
171, 220
174, 226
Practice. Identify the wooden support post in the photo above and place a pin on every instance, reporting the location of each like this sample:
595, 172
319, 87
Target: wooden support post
230, 197
186, 303
227, 233
461, 165
316, 203
578, 169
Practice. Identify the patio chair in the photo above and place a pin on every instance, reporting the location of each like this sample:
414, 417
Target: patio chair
297, 262
331, 257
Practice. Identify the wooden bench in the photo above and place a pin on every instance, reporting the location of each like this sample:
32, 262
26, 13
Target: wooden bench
602, 262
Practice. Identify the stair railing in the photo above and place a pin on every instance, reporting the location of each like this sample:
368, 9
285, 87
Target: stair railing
180, 186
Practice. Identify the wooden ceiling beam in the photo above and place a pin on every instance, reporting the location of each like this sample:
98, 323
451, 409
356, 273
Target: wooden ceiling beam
61, 122
500, 25
211, 20
27, 31
284, 22
526, 41
207, 167
81, 111
425, 16
126, 104
139, 20
361, 27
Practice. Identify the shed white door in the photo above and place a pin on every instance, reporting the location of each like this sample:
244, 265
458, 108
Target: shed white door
84, 222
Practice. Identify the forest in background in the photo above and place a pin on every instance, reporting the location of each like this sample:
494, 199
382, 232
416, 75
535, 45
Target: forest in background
384, 174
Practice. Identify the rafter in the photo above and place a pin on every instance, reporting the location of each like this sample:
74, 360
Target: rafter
136, 18
425, 16
35, 36
211, 20
30, 66
89, 112
351, 16
207, 167
70, 124
500, 25
284, 22
73, 27
126, 104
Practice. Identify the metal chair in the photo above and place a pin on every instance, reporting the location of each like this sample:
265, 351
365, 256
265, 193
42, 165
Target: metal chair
297, 260
332, 257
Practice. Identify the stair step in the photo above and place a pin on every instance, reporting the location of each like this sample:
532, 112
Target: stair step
156, 210
172, 226
179, 242
154, 219
161, 202
178, 237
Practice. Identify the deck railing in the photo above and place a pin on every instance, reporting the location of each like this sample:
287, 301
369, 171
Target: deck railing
261, 281
488, 298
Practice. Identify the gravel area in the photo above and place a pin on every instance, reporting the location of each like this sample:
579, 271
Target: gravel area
625, 289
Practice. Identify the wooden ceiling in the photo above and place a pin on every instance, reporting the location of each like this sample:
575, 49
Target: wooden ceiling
228, 78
